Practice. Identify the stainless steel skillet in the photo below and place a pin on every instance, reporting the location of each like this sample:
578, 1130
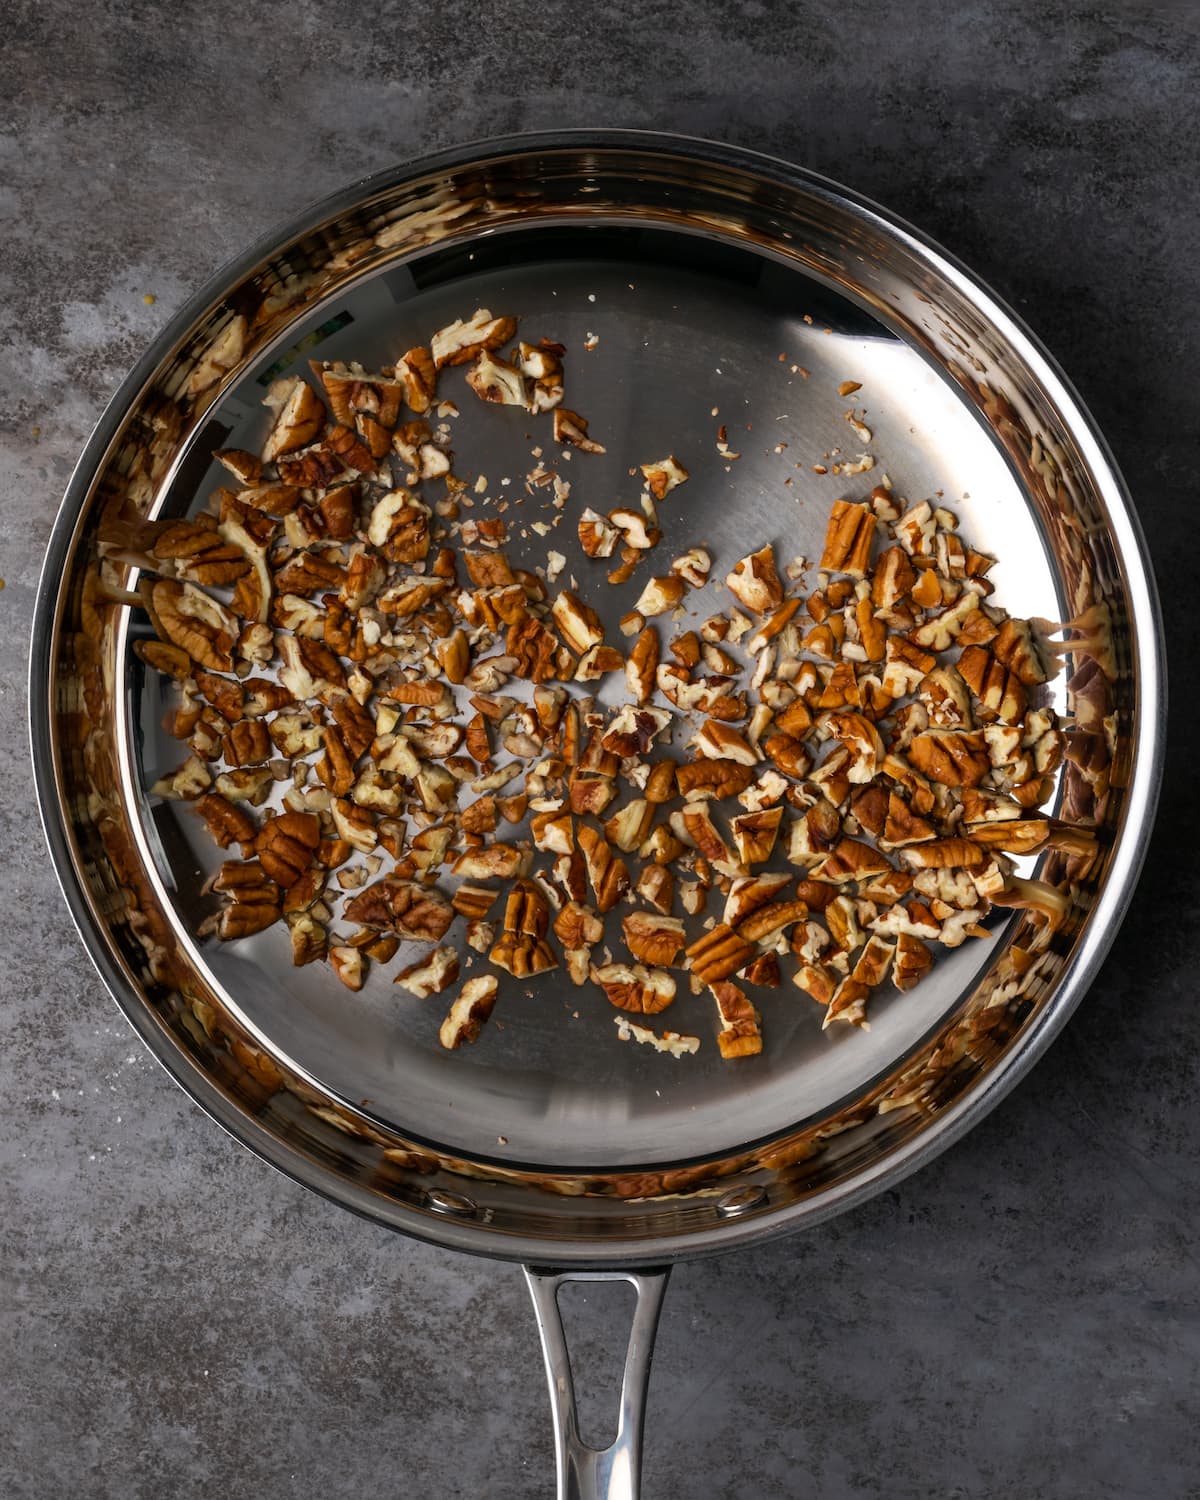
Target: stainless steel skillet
696, 268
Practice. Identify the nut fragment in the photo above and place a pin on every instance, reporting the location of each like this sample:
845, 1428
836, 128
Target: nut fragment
740, 1033
653, 939
635, 987
469, 1012
429, 975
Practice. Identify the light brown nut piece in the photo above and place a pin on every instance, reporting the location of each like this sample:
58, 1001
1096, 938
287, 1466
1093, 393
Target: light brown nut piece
186, 783
848, 539
740, 1033
912, 962
718, 954
607, 875
628, 829
995, 685
694, 566
817, 980
848, 1005
662, 477
717, 741
460, 341
653, 939
598, 662
642, 665
185, 616
299, 416
578, 623
417, 374
577, 926
755, 833
526, 910
309, 938
349, 965
634, 987
755, 582
553, 831
429, 975
636, 529
768, 921
660, 595
494, 380
656, 886
536, 653
872, 964
522, 955
597, 536
497, 861
851, 859
473, 901
469, 1012
748, 893
454, 656
941, 631
1016, 648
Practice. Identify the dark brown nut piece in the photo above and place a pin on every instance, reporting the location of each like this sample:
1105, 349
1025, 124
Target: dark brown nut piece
224, 693
607, 875
454, 656
740, 1033
796, 719
694, 824
848, 1004
686, 649
469, 1012
460, 341
185, 616
417, 374
656, 886
570, 427
749, 893
349, 965
480, 817
578, 623
248, 743
713, 778
310, 468
306, 891
848, 539
754, 834
228, 823
756, 583
577, 926
662, 477
718, 954
869, 805
950, 757
299, 416
903, 826
535, 651
653, 939
356, 723
489, 570
912, 962
634, 987
172, 661
634, 730
399, 527
429, 975
763, 970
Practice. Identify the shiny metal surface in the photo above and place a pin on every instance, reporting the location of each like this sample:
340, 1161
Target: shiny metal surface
586, 1473
703, 263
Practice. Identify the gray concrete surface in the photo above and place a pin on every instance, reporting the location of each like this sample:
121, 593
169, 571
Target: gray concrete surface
1019, 1320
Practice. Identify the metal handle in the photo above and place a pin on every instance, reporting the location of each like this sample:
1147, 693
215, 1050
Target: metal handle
615, 1472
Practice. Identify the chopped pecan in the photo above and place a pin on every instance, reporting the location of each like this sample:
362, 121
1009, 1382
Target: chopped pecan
429, 975
570, 427
597, 537
740, 1033
634, 987
460, 341
718, 779
755, 833
756, 583
642, 665
656, 886
653, 939
718, 954
349, 965
663, 476
469, 1012
578, 623
227, 823
848, 539
607, 875
911, 963
299, 416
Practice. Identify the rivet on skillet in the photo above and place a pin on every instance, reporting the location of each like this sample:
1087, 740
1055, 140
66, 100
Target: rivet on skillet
443, 1202
741, 1201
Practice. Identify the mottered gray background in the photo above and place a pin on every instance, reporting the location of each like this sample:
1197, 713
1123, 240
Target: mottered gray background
1020, 1319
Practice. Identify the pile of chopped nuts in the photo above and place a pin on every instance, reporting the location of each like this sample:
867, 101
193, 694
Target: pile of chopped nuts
395, 728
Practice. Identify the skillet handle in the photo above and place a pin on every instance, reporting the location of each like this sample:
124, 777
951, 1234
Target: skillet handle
613, 1473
